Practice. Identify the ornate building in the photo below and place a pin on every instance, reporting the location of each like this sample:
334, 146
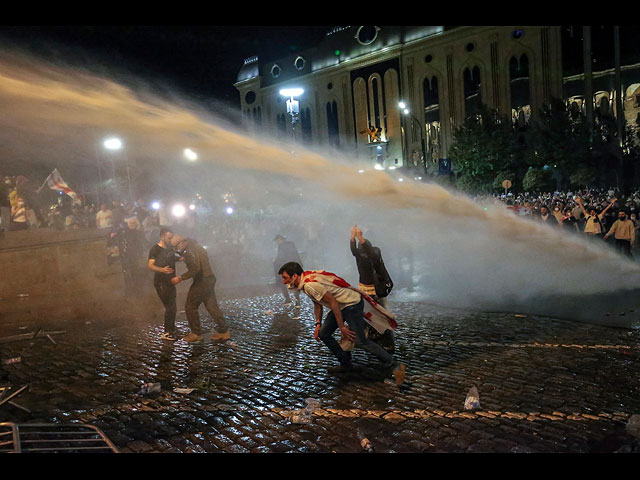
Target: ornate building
393, 96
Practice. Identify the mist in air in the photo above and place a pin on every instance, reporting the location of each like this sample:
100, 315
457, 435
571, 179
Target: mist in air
452, 250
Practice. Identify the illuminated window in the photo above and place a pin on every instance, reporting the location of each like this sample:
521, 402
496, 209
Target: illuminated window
275, 71
367, 35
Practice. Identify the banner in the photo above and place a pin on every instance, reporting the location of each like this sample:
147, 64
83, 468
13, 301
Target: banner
55, 182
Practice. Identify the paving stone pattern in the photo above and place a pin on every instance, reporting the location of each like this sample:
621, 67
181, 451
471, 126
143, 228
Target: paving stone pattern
545, 385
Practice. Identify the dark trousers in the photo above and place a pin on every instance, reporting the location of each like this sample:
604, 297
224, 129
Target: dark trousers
167, 293
624, 247
353, 317
202, 291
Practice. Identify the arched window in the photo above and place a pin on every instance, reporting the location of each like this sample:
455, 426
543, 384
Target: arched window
432, 118
519, 86
472, 96
305, 125
281, 125
332, 124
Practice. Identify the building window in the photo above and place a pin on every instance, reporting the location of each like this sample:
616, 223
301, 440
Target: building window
299, 63
250, 97
332, 124
428, 59
275, 71
636, 101
367, 35
519, 86
470, 47
305, 125
329, 86
431, 120
517, 34
472, 94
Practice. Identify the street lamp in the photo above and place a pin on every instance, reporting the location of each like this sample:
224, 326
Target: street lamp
190, 154
407, 112
293, 106
114, 144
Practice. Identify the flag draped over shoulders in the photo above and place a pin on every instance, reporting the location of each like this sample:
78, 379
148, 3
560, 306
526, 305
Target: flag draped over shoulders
375, 314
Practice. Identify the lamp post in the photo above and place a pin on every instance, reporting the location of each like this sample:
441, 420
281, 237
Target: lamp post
293, 106
406, 112
115, 144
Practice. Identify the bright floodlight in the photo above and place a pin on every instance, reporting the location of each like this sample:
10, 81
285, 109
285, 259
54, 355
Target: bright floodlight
379, 167
402, 105
178, 210
190, 154
155, 205
192, 207
113, 143
406, 111
291, 92
229, 210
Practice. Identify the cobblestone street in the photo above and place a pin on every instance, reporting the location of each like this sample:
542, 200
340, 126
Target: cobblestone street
545, 385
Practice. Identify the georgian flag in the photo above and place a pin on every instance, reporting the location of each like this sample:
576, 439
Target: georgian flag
55, 182
375, 314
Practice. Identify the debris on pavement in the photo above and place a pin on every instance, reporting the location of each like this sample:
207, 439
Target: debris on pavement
148, 388
473, 399
633, 426
11, 361
186, 391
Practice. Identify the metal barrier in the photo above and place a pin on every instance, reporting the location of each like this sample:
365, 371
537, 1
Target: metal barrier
53, 438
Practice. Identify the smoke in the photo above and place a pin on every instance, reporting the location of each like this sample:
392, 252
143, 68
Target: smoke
446, 247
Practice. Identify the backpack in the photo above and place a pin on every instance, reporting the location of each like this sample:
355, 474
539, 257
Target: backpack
382, 281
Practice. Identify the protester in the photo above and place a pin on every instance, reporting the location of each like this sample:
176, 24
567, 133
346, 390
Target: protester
570, 222
202, 289
345, 304
287, 252
546, 217
162, 261
104, 218
593, 224
374, 280
19, 215
624, 233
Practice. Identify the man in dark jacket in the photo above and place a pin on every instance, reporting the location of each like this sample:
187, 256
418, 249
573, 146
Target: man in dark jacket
374, 281
201, 290
287, 252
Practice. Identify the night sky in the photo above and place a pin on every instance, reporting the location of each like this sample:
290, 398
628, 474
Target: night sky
200, 62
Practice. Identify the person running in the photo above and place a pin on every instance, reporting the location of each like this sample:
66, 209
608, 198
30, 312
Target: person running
162, 261
345, 304
202, 290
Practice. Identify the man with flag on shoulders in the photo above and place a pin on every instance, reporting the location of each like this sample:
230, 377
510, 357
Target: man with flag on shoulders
346, 304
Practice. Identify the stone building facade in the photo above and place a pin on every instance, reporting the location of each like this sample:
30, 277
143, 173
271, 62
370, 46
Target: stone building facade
393, 96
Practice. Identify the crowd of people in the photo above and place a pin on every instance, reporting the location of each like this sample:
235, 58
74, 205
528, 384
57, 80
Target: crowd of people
602, 214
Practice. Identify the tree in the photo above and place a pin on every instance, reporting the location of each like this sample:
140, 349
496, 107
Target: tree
483, 147
537, 179
559, 139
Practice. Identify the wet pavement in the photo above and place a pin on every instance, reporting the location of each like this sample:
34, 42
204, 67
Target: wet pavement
545, 385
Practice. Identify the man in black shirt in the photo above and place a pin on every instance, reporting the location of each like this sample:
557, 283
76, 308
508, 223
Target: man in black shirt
162, 261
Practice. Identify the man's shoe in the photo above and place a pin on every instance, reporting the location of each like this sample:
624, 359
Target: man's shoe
398, 374
342, 368
221, 337
193, 337
169, 337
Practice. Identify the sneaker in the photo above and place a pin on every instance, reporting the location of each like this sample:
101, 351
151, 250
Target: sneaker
342, 368
398, 374
221, 337
169, 336
193, 337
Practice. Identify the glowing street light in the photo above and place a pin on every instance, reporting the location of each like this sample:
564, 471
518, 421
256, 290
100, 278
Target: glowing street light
113, 143
229, 210
190, 154
155, 205
178, 210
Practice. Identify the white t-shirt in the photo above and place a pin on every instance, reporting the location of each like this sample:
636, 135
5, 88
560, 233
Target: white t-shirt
345, 296
104, 219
